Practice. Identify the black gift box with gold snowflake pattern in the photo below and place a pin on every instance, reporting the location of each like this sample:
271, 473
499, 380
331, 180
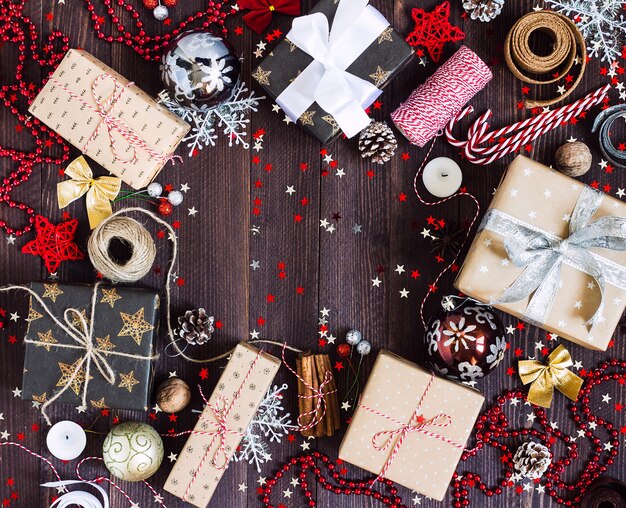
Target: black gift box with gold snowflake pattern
125, 322
381, 61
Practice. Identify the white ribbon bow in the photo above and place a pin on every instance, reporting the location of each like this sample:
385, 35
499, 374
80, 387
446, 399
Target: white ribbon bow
325, 80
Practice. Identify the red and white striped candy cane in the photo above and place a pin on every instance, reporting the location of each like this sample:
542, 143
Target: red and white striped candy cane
513, 137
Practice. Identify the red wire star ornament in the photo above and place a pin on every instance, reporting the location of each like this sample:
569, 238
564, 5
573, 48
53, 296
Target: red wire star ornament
433, 30
54, 243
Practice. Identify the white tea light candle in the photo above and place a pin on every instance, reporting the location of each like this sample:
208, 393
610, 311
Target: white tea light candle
442, 177
66, 440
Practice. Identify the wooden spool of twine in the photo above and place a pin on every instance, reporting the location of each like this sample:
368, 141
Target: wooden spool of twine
567, 44
129, 232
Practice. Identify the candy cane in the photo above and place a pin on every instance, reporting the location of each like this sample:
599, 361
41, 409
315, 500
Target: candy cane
518, 134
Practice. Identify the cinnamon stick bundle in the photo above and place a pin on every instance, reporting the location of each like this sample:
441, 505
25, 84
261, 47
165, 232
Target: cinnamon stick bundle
312, 369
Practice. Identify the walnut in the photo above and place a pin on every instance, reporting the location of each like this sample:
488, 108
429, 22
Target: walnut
573, 159
173, 395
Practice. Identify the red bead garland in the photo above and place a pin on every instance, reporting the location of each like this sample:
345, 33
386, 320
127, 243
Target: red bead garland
492, 429
150, 47
16, 28
309, 464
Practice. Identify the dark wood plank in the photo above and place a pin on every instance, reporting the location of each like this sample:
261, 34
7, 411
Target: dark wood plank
335, 270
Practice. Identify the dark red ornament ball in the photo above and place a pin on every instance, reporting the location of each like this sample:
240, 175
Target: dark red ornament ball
466, 341
343, 350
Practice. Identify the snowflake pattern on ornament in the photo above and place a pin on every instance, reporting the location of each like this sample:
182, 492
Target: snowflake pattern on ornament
600, 22
232, 117
268, 425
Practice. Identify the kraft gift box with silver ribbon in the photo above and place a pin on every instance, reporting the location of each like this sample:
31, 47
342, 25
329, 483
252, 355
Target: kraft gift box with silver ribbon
332, 65
552, 252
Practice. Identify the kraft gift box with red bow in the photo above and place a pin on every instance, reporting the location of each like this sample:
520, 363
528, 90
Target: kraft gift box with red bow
220, 428
357, 53
410, 426
108, 118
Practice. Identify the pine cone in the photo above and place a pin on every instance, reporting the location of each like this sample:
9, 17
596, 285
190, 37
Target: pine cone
483, 10
532, 459
377, 142
195, 327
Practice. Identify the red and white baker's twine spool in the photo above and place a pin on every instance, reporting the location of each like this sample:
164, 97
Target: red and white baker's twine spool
318, 394
114, 123
417, 423
431, 105
521, 133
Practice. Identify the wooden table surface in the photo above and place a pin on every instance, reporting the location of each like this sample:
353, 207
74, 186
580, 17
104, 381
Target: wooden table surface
230, 258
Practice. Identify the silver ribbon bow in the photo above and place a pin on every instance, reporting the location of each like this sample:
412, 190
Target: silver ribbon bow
543, 254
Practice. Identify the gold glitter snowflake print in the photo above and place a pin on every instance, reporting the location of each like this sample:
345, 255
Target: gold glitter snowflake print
67, 371
33, 315
110, 296
105, 344
306, 118
134, 326
128, 381
99, 404
46, 339
51, 291
386, 35
263, 77
380, 76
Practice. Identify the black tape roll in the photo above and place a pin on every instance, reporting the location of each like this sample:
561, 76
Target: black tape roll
603, 497
603, 123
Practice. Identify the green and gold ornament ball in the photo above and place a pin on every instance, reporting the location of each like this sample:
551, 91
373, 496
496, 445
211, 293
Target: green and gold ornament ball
132, 451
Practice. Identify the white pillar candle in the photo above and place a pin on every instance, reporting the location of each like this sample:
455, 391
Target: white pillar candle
442, 177
66, 440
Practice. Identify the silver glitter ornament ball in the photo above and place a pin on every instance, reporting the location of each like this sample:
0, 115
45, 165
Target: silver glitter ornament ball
175, 197
160, 12
353, 337
364, 348
155, 189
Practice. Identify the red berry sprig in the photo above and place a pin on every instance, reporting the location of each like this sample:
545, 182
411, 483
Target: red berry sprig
313, 463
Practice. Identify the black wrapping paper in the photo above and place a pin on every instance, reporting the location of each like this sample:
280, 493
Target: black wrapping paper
125, 320
379, 64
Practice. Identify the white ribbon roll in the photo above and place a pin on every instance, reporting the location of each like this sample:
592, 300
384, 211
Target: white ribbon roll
78, 497
325, 80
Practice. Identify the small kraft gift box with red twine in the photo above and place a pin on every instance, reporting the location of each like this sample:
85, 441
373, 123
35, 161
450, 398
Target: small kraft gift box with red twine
109, 119
552, 252
410, 426
221, 426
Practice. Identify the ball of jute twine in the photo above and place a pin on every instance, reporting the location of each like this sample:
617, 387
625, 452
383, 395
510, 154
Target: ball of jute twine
568, 44
129, 232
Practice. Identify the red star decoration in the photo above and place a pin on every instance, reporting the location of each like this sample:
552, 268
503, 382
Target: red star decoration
54, 243
433, 30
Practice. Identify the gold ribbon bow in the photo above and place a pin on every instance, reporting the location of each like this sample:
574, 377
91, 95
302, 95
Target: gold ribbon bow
545, 378
100, 191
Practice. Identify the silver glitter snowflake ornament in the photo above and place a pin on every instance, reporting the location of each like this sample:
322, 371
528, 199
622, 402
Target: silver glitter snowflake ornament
601, 23
231, 117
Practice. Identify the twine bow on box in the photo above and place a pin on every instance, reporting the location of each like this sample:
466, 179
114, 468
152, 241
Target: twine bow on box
325, 80
81, 331
100, 191
382, 440
545, 378
542, 254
